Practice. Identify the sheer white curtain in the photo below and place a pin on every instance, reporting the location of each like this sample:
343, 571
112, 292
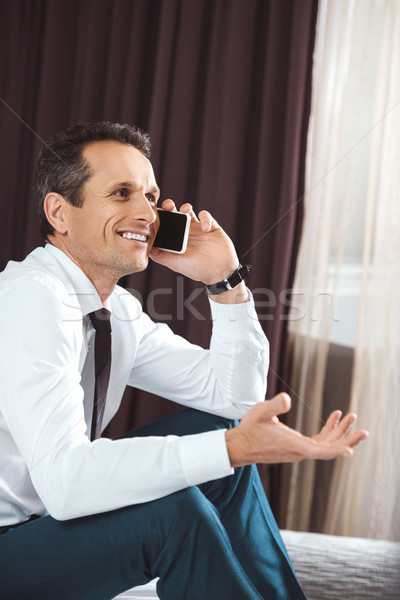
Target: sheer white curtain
352, 224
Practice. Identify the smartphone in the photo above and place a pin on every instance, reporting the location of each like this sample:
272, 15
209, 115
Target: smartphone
173, 232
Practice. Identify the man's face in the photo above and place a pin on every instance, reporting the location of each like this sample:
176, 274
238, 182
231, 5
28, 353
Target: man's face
111, 235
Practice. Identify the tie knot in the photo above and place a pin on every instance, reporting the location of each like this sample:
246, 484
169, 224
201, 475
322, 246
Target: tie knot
101, 320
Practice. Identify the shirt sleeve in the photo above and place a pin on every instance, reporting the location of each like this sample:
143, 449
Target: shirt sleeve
226, 380
41, 401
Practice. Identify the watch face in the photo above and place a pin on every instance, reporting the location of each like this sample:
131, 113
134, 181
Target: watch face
230, 282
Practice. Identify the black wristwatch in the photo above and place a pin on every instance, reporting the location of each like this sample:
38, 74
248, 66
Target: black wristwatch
230, 282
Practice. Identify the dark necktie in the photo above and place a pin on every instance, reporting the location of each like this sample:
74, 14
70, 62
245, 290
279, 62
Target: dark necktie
102, 365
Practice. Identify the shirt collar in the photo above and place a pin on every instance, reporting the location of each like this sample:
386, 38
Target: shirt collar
81, 290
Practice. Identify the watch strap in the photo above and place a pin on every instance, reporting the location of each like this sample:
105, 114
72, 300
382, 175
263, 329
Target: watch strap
230, 282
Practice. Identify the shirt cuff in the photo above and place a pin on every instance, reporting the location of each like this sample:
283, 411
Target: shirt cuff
205, 457
235, 322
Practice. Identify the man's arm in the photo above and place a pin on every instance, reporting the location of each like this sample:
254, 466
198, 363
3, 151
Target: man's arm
226, 380
42, 404
260, 437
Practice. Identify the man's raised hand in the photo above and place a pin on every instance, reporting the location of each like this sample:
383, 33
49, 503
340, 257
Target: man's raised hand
262, 438
210, 254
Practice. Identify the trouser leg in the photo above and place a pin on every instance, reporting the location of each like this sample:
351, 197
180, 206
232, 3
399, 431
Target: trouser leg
244, 512
178, 538
247, 517
185, 539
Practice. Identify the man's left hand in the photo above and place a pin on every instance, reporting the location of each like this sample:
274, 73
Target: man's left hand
210, 254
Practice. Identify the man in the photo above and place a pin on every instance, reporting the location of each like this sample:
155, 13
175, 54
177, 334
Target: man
85, 517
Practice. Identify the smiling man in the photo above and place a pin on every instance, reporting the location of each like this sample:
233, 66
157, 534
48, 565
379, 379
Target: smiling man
111, 233
84, 517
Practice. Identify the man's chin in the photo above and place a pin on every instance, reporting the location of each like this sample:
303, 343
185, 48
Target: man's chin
137, 267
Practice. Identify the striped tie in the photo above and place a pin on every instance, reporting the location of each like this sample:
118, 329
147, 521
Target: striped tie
102, 364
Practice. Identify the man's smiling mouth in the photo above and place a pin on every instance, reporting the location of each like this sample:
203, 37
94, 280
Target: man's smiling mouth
134, 236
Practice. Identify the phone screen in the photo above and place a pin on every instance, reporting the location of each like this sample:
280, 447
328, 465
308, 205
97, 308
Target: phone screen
173, 231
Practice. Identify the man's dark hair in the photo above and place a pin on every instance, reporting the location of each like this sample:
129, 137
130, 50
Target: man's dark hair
61, 167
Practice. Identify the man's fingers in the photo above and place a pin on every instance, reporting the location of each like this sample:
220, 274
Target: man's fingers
168, 205
335, 427
207, 221
269, 410
278, 405
324, 450
188, 209
355, 438
331, 423
345, 424
205, 218
327, 450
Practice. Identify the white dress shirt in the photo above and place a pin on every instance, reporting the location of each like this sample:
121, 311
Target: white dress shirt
47, 462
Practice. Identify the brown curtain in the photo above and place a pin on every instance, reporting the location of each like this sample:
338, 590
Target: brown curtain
223, 87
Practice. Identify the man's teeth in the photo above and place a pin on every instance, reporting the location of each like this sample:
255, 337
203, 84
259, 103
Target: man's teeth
134, 236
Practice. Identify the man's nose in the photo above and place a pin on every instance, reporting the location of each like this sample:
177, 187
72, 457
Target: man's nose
147, 211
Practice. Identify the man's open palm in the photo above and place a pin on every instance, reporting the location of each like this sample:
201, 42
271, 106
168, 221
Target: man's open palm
262, 438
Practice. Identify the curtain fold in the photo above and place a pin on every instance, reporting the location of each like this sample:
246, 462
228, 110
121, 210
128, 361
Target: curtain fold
222, 86
364, 500
352, 192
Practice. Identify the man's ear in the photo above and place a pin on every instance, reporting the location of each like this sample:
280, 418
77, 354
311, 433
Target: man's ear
55, 208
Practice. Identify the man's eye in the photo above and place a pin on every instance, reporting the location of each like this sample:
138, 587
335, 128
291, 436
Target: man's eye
151, 198
123, 193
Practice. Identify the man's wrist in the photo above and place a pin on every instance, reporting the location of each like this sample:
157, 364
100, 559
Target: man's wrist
237, 295
236, 448
228, 282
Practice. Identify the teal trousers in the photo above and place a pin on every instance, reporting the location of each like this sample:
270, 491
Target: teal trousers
215, 541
